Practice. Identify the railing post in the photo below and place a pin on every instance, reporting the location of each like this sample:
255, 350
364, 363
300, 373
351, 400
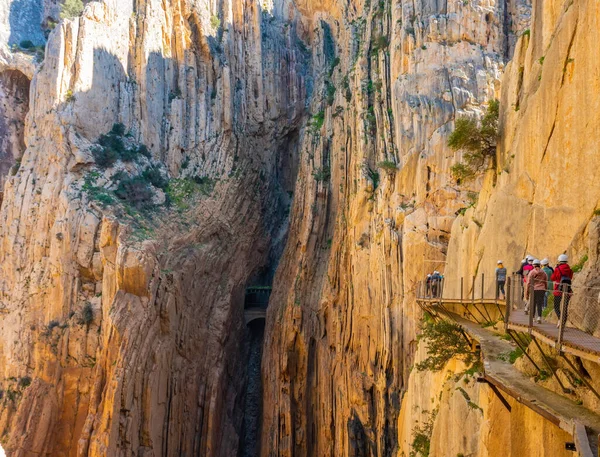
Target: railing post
482, 286
563, 317
473, 290
508, 302
461, 289
442, 289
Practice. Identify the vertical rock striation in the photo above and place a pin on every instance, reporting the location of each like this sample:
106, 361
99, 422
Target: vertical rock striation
373, 210
121, 329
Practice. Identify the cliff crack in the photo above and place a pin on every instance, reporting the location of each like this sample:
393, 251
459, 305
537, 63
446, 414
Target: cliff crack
562, 82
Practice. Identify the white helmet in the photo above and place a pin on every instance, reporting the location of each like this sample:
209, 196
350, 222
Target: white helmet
536, 261
545, 261
500, 262
563, 258
529, 258
436, 272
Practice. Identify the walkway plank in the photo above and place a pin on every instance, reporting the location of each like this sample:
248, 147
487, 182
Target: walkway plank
574, 341
556, 408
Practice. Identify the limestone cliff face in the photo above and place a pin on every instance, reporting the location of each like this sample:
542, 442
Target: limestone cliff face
374, 206
546, 179
121, 330
344, 107
464, 417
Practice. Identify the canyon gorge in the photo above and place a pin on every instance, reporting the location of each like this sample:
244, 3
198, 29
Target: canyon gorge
159, 158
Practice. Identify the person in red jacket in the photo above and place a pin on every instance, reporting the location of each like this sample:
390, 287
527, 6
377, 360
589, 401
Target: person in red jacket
562, 277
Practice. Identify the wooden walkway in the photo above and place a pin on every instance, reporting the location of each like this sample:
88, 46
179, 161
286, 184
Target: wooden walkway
559, 410
574, 341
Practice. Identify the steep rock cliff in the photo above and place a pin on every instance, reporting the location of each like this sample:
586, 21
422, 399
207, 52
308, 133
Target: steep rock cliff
121, 326
373, 209
546, 177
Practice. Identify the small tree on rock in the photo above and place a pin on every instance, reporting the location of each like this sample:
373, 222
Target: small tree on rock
477, 140
71, 8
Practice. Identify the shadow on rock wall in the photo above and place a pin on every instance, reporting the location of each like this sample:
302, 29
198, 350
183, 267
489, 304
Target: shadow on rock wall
25, 21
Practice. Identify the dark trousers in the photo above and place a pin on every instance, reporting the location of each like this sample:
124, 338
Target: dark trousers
538, 302
500, 288
557, 304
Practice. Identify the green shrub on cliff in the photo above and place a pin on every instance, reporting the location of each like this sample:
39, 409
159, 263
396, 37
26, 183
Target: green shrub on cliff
477, 140
421, 442
445, 340
71, 8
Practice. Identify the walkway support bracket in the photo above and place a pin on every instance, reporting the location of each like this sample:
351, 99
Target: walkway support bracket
501, 397
564, 389
524, 349
585, 381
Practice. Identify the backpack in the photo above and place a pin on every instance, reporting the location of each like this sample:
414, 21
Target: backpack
564, 280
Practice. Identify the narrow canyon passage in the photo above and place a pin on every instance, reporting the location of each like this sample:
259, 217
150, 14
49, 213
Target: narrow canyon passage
253, 396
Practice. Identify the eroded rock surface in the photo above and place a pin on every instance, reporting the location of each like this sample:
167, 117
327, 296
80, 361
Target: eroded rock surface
346, 109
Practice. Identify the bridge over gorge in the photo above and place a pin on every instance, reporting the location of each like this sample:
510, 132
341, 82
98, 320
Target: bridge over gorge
475, 308
256, 303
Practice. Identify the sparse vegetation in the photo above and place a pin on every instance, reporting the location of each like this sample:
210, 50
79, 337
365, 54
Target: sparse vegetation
330, 92
579, 265
322, 174
15, 168
24, 382
346, 87
421, 442
71, 8
445, 340
180, 191
316, 122
136, 191
87, 314
380, 43
478, 141
511, 356
371, 121
26, 44
111, 147
374, 176
388, 166
154, 176
215, 22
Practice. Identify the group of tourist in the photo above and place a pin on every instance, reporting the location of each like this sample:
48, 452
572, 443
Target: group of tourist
541, 283
433, 284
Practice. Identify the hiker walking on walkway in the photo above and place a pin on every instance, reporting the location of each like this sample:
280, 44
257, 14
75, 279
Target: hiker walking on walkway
436, 280
428, 286
549, 272
526, 267
500, 280
537, 281
562, 277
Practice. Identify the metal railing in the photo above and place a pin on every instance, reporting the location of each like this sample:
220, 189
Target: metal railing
568, 314
474, 295
257, 297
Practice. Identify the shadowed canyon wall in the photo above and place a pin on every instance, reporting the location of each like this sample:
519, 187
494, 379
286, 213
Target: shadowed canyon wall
313, 135
122, 329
